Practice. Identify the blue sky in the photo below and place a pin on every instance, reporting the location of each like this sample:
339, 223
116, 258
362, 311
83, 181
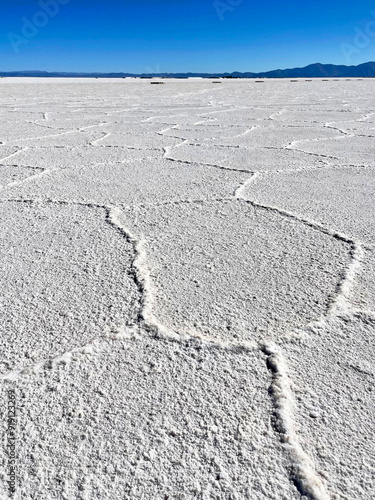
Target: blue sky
183, 35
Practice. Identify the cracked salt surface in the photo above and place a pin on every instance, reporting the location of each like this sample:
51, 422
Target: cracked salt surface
69, 157
347, 149
11, 175
188, 321
147, 418
146, 180
245, 159
7, 152
277, 137
333, 373
340, 197
65, 278
364, 286
283, 279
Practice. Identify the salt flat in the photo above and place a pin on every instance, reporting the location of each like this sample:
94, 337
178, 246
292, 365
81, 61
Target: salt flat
188, 301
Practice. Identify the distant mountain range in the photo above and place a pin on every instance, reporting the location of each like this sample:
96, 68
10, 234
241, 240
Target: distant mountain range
316, 70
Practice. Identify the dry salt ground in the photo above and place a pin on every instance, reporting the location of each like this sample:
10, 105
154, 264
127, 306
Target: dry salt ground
188, 299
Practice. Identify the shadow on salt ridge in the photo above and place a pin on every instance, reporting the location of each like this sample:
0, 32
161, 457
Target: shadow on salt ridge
234, 272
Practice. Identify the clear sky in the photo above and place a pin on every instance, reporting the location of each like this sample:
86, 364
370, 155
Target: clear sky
183, 35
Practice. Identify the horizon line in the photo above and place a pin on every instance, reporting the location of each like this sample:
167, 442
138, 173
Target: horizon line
183, 72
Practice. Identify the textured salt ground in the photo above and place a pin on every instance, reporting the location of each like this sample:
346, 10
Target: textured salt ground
239, 115
65, 278
10, 174
357, 127
61, 121
108, 123
147, 180
6, 151
145, 418
347, 150
70, 138
235, 272
312, 115
333, 374
341, 198
277, 137
10, 111
205, 132
271, 470
131, 126
25, 131
61, 157
181, 118
139, 140
364, 286
370, 116
242, 158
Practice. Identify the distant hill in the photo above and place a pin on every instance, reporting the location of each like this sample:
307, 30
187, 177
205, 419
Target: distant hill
316, 70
